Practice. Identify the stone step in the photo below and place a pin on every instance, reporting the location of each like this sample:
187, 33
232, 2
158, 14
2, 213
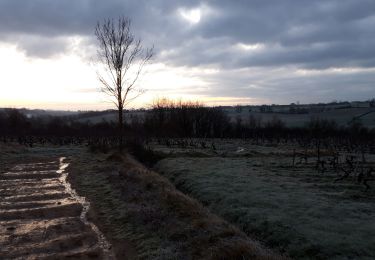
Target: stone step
55, 211
67, 244
36, 197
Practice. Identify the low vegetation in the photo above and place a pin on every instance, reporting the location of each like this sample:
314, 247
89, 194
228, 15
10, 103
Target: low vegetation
297, 208
136, 207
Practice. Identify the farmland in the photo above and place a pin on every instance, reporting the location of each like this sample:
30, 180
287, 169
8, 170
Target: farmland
297, 209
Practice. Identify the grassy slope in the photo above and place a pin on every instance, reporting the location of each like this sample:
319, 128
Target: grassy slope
297, 210
341, 116
131, 203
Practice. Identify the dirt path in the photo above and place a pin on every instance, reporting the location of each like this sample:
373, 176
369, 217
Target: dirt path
41, 217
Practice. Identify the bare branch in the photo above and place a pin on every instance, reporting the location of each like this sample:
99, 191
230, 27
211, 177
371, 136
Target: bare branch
119, 52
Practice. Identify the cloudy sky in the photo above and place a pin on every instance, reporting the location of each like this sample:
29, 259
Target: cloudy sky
219, 52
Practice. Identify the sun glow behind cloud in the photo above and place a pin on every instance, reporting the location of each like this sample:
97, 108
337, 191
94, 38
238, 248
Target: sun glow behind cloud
250, 47
193, 16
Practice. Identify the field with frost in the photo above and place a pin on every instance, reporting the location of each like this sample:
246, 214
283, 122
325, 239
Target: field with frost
307, 213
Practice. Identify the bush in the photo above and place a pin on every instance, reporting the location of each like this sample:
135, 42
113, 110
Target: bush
144, 155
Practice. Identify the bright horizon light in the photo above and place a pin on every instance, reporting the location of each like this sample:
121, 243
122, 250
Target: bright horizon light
68, 82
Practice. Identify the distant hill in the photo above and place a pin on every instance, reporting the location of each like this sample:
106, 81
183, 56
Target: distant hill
41, 112
293, 115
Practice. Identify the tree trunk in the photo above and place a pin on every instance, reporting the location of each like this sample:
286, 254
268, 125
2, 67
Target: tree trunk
120, 126
318, 151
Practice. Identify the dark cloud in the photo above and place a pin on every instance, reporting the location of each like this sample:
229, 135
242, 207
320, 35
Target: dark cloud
314, 34
318, 34
303, 34
288, 85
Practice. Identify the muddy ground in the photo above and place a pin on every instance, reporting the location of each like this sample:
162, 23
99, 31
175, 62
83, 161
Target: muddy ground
39, 216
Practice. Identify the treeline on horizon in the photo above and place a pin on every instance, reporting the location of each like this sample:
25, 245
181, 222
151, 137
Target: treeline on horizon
176, 119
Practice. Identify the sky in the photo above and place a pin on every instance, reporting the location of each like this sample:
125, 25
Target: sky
217, 52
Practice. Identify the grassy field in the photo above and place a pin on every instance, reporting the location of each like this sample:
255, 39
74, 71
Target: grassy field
296, 209
139, 208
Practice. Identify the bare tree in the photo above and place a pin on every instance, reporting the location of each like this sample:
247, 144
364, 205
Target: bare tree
123, 57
